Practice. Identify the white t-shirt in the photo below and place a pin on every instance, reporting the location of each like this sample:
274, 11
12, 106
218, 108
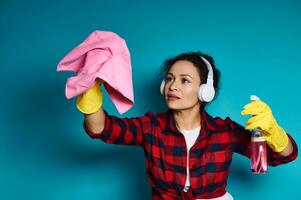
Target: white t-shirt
190, 138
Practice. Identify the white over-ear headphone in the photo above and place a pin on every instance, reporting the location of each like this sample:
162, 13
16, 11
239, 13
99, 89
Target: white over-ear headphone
206, 92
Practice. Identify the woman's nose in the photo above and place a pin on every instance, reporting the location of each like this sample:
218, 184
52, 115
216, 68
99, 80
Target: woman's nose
173, 85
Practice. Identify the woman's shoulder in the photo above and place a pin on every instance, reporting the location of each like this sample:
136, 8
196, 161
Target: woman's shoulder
221, 122
159, 119
158, 116
216, 119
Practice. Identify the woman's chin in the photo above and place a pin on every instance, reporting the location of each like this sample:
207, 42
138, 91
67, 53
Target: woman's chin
173, 106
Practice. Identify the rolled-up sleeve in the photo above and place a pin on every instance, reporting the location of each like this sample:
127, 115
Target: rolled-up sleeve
275, 158
125, 131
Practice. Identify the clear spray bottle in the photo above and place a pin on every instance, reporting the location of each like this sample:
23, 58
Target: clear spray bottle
258, 151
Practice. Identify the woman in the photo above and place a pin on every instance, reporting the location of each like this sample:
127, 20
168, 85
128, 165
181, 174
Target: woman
188, 153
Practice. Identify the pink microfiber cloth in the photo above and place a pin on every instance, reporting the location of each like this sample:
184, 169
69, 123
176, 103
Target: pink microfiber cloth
103, 55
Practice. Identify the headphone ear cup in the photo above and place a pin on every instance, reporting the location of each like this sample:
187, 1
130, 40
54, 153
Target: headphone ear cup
206, 93
162, 87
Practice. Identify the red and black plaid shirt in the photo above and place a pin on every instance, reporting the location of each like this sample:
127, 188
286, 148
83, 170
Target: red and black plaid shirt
166, 155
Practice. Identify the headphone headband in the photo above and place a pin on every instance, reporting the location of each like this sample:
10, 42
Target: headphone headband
210, 70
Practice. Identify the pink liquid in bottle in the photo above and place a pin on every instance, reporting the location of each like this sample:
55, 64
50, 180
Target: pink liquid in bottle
258, 154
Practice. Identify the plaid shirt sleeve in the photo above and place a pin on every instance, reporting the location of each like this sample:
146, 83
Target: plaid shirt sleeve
241, 143
125, 131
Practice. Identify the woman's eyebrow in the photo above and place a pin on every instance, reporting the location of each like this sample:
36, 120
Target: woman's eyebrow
180, 75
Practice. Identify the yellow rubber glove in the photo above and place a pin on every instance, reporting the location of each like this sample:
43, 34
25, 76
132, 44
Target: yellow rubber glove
263, 118
91, 100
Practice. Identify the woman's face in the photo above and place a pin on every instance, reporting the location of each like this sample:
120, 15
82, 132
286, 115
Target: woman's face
182, 84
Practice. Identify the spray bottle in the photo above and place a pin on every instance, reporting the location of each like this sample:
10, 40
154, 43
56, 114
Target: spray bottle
258, 151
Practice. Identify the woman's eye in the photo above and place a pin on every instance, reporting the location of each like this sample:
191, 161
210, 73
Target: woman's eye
185, 81
168, 79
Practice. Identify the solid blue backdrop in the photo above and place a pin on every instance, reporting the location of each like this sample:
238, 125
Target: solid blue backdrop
44, 152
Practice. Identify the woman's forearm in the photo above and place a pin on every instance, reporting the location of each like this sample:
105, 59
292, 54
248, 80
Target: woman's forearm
95, 122
288, 150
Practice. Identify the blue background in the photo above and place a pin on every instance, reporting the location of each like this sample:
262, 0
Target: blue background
44, 152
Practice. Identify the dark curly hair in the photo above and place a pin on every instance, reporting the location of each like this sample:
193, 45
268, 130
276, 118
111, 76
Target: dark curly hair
195, 58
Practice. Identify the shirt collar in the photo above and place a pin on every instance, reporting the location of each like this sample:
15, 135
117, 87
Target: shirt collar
207, 123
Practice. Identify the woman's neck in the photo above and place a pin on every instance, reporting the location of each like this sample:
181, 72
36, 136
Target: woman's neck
187, 119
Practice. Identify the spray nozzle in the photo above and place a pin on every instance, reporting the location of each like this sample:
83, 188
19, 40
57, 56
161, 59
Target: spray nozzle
254, 98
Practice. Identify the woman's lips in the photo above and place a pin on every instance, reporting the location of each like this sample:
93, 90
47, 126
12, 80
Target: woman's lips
172, 98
